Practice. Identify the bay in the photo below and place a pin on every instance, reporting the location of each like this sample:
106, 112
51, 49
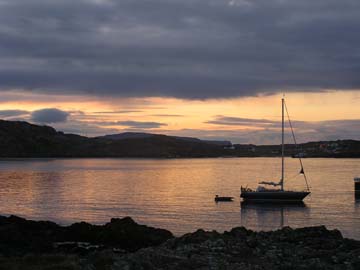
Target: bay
178, 194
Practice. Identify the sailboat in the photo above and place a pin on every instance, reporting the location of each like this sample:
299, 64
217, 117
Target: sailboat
277, 193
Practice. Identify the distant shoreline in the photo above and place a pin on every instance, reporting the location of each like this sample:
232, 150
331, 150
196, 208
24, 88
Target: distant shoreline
25, 140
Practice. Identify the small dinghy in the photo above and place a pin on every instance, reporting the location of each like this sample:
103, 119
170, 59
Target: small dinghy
223, 199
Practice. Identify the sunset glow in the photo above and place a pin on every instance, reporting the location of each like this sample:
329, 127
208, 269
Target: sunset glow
93, 116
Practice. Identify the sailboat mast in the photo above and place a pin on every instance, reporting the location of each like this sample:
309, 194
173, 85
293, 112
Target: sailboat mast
282, 145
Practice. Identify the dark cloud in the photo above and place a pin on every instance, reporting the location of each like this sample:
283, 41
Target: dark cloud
84, 128
238, 121
12, 113
130, 124
138, 124
48, 116
179, 48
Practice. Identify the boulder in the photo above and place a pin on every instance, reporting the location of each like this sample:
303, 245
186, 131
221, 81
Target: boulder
18, 235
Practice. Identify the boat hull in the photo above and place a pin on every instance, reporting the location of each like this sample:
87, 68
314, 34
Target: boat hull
274, 196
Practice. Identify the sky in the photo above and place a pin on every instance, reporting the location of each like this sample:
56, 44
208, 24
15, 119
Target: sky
211, 69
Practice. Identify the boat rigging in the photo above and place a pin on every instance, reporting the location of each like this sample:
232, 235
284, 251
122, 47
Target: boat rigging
265, 194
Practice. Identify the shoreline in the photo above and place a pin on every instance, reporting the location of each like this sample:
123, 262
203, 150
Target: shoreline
124, 244
22, 139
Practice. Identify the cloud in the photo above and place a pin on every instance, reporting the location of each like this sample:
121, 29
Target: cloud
84, 128
12, 113
238, 121
237, 129
118, 112
179, 48
255, 133
168, 115
140, 125
264, 131
48, 116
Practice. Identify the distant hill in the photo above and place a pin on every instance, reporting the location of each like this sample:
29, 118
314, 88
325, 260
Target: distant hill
127, 135
141, 135
22, 139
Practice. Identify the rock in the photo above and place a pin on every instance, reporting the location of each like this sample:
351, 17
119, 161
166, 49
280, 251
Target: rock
127, 234
197, 237
124, 244
239, 232
18, 235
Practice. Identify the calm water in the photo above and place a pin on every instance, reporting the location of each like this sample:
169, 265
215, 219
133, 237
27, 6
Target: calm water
177, 194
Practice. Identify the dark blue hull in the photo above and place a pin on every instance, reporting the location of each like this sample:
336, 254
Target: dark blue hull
274, 196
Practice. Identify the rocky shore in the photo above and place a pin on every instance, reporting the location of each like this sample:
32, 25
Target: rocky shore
124, 244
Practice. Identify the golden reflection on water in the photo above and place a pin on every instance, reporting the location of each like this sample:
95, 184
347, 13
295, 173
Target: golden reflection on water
177, 194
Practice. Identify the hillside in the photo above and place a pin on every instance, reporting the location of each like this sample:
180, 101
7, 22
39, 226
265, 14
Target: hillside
22, 139
142, 135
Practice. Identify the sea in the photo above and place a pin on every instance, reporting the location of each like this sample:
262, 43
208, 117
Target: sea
178, 194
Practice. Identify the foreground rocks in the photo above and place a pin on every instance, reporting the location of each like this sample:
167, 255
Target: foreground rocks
306, 248
19, 236
123, 244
